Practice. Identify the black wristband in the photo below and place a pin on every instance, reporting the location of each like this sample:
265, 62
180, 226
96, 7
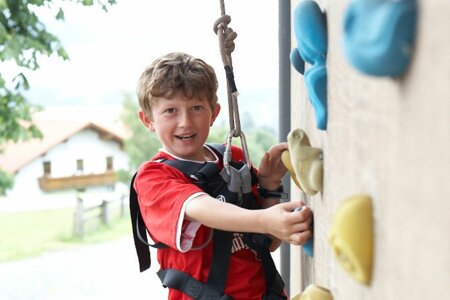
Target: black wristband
278, 193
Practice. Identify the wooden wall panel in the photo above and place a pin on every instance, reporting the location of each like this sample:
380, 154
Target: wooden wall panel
389, 138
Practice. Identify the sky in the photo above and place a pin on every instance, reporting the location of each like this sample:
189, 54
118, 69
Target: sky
109, 50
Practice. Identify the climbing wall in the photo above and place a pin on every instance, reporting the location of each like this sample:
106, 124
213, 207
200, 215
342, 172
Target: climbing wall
387, 138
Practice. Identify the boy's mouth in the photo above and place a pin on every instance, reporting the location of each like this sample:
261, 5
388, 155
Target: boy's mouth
185, 137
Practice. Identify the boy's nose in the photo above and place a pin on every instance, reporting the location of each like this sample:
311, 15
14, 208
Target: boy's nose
184, 120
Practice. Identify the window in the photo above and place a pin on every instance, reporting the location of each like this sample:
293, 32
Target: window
80, 165
47, 168
109, 163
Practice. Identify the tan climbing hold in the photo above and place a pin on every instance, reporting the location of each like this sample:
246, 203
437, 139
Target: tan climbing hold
306, 161
351, 237
286, 158
314, 292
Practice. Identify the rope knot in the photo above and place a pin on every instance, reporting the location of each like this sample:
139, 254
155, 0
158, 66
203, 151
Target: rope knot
221, 23
226, 35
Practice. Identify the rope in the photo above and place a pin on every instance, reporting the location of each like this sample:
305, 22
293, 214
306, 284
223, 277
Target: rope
226, 46
226, 37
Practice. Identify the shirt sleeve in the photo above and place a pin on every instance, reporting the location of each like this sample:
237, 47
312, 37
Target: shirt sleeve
163, 193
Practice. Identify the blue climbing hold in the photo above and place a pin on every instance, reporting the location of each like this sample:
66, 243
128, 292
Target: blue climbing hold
316, 81
297, 61
311, 34
379, 35
309, 247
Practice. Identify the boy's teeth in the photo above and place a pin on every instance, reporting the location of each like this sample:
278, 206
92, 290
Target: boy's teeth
185, 137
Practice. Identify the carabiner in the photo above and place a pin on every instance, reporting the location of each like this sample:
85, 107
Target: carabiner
227, 154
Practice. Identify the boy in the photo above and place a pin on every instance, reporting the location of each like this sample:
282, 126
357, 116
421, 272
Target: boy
177, 96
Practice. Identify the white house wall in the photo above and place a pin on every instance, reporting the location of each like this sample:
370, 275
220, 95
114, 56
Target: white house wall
86, 145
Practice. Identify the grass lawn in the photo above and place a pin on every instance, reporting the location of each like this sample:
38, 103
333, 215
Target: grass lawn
31, 233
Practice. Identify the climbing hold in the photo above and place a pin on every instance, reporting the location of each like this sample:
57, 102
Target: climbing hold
286, 159
316, 81
351, 237
308, 247
297, 61
314, 292
379, 35
307, 162
311, 34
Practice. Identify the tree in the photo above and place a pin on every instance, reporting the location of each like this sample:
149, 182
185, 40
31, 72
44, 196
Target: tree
141, 145
6, 181
23, 39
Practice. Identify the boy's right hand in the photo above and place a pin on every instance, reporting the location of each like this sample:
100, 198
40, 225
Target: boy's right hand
288, 225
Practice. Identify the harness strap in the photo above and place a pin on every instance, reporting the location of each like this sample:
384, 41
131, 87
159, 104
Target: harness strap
185, 283
220, 261
219, 149
139, 231
205, 169
275, 285
272, 295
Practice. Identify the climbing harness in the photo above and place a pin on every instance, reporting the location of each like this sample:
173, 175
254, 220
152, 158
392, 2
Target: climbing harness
209, 179
226, 37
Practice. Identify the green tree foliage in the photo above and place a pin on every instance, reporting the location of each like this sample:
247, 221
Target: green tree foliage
6, 182
141, 145
259, 141
23, 39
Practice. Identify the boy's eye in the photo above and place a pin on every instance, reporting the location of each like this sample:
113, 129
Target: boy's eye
170, 110
197, 108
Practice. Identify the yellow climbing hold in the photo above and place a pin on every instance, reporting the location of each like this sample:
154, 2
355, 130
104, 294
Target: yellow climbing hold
351, 237
314, 292
306, 162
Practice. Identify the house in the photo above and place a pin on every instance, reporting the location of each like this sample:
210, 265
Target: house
72, 156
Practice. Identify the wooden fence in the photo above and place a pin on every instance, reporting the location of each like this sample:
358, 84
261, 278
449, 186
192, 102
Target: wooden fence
96, 215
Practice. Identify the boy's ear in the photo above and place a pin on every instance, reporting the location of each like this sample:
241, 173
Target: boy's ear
215, 113
146, 120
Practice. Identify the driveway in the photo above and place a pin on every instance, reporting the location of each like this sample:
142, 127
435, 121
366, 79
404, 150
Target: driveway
96, 272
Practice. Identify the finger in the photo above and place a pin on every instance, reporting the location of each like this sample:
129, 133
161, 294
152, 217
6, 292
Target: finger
297, 219
291, 206
305, 212
300, 238
302, 210
300, 227
277, 149
265, 157
303, 217
263, 160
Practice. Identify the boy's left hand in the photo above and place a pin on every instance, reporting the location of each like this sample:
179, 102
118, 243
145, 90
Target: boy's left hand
271, 167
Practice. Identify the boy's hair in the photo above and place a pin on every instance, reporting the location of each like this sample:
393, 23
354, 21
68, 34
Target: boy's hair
176, 73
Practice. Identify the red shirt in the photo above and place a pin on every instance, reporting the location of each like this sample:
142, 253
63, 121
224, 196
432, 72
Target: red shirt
163, 193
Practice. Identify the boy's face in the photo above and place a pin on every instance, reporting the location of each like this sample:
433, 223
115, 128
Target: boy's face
182, 125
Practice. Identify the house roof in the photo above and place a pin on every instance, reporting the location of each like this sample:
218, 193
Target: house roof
17, 155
